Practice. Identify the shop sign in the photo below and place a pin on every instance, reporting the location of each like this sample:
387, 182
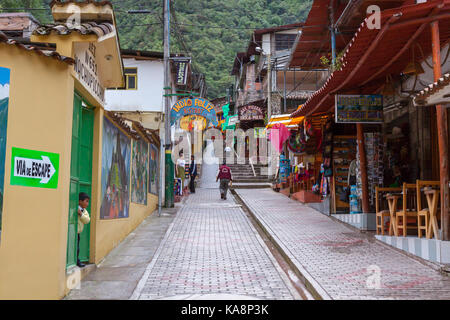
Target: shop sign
359, 109
86, 69
260, 133
249, 113
190, 123
233, 120
30, 168
181, 67
197, 106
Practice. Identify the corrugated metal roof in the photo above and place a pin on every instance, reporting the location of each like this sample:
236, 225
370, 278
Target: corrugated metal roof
373, 54
314, 42
99, 29
48, 53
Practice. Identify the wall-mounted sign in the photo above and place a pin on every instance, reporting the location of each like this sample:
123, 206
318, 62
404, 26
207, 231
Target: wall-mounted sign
30, 168
181, 67
359, 109
233, 120
86, 69
260, 132
196, 106
190, 123
249, 113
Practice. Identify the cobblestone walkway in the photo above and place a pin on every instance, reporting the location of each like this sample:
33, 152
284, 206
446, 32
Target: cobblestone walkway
338, 260
213, 249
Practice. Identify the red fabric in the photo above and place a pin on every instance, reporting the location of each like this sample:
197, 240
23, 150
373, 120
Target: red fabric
224, 172
278, 135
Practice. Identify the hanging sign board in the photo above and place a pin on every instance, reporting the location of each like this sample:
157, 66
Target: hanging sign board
181, 67
233, 120
190, 123
359, 109
86, 69
249, 113
30, 168
196, 106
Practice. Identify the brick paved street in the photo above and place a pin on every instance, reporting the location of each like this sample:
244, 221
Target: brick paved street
119, 273
335, 258
213, 249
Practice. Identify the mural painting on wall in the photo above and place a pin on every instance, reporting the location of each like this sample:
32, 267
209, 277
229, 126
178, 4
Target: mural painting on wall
4, 101
116, 158
139, 174
153, 170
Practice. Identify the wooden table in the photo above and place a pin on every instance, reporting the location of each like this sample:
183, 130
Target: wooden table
432, 199
392, 202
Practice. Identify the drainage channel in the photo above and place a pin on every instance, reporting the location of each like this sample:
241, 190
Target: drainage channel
290, 272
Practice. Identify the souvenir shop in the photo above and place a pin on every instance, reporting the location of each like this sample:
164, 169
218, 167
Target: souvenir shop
321, 168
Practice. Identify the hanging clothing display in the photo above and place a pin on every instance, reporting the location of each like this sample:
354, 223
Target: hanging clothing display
278, 135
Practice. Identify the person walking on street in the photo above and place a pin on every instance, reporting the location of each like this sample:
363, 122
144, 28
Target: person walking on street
225, 177
83, 218
192, 174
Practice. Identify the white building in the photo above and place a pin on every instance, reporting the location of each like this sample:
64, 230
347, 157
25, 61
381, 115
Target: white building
142, 98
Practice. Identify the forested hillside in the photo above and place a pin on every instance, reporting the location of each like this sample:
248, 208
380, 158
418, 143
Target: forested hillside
211, 31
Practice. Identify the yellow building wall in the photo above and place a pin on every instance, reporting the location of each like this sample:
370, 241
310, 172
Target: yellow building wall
33, 243
107, 234
34, 236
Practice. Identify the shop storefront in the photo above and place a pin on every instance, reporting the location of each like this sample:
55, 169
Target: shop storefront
401, 157
60, 142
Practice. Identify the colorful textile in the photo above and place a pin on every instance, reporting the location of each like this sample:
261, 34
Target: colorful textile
278, 135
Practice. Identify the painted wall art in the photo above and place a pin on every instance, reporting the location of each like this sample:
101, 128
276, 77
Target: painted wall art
139, 172
153, 170
4, 102
116, 158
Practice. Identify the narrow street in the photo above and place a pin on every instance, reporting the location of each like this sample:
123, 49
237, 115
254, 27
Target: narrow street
210, 251
325, 122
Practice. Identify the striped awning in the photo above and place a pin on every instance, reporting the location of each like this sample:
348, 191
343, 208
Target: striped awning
284, 119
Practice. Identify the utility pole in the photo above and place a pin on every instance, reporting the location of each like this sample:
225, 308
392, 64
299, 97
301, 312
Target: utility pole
333, 35
168, 170
169, 201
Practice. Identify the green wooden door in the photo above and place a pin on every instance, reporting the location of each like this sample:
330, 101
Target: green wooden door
80, 177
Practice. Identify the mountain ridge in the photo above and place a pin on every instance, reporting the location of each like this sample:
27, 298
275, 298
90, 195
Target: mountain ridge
211, 31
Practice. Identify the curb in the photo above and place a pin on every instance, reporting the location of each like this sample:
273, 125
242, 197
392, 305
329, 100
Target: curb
310, 283
141, 284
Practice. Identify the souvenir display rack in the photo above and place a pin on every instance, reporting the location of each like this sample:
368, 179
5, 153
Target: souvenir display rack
374, 146
344, 151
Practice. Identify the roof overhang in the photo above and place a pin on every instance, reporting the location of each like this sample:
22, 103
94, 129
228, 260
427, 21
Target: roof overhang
434, 94
88, 10
95, 24
375, 53
314, 41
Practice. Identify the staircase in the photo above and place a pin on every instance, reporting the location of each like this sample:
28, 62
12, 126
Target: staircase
243, 176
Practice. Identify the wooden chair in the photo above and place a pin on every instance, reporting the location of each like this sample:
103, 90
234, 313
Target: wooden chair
423, 214
408, 213
381, 207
